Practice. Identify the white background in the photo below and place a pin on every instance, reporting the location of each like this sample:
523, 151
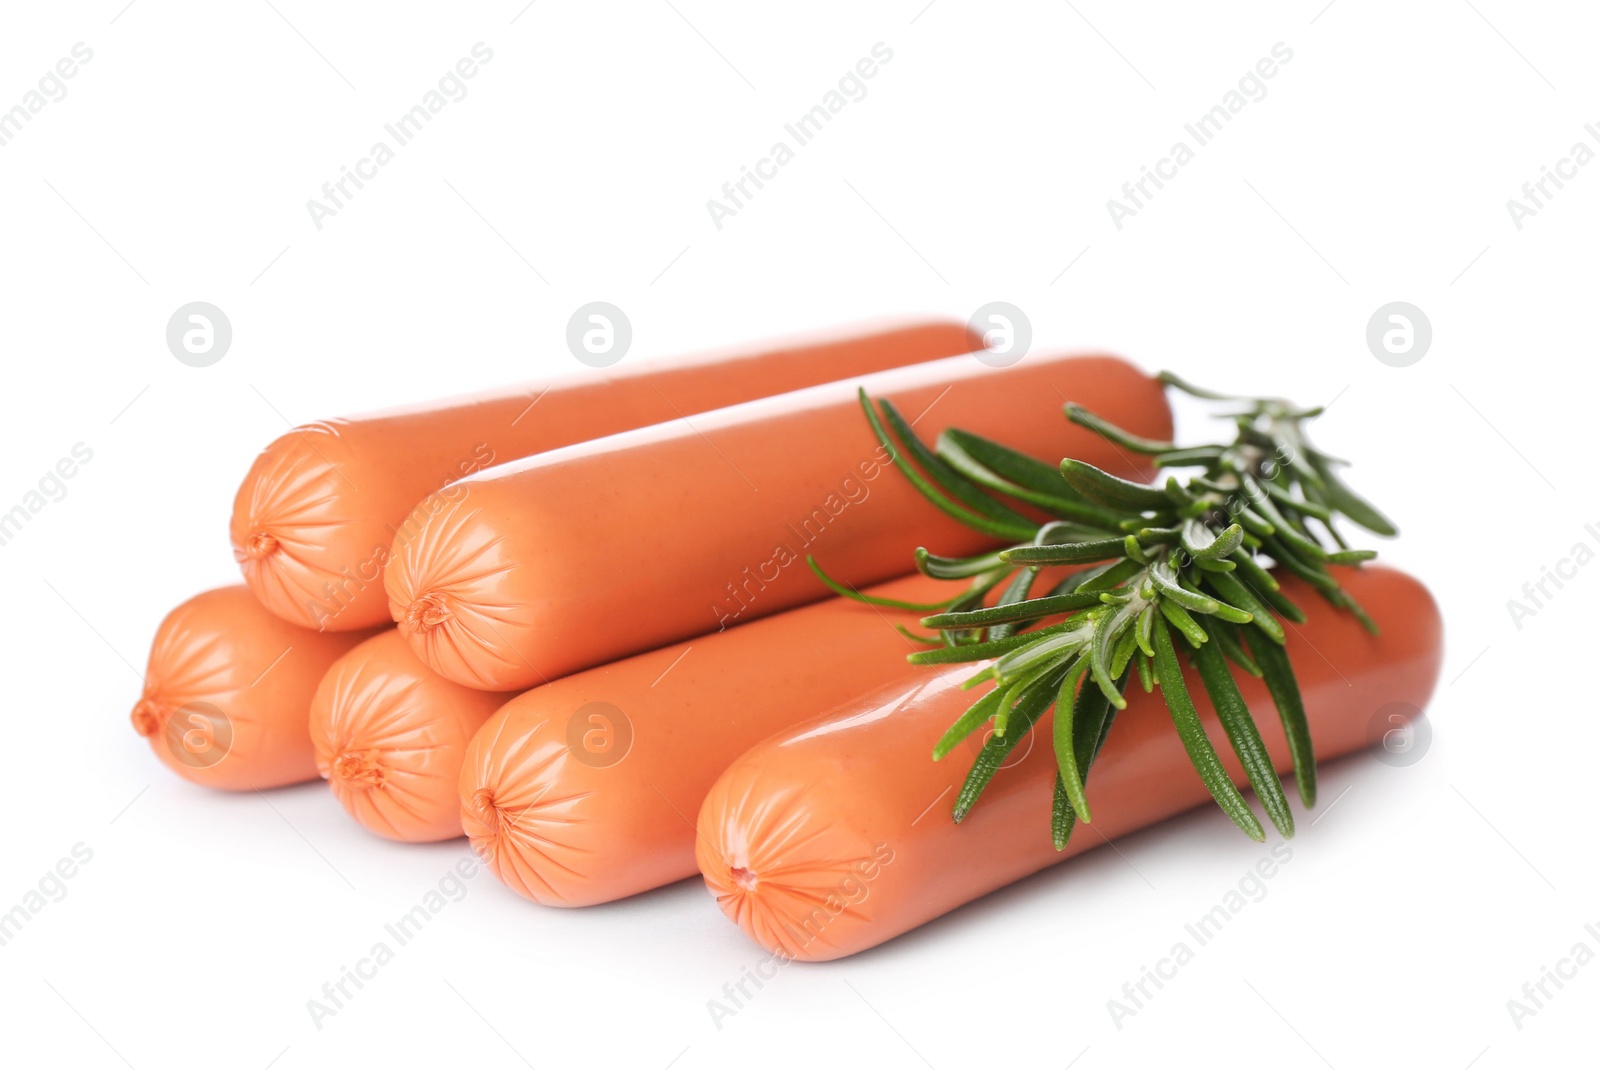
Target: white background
1377, 168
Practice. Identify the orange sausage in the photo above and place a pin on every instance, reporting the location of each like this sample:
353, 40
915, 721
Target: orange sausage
581, 556
315, 517
584, 790
390, 734
836, 836
227, 690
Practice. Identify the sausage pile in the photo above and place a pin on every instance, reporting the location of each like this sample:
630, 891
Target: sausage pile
576, 623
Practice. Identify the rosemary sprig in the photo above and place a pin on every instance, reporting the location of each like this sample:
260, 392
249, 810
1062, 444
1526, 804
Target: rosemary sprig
1182, 564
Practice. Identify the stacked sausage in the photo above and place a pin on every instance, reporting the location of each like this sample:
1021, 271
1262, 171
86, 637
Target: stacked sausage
574, 621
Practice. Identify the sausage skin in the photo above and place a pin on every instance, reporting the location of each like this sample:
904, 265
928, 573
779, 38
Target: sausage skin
228, 689
389, 735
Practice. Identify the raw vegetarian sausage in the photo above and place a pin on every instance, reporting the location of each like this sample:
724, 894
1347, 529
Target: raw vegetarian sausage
835, 836
314, 520
581, 556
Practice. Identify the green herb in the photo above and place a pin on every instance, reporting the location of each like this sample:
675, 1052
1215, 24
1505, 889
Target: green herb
1177, 565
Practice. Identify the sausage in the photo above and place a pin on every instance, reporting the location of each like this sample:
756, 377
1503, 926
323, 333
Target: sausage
390, 734
581, 556
836, 836
228, 688
584, 790
316, 515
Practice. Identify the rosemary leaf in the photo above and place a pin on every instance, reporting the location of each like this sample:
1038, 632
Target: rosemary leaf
976, 714
1202, 755
1101, 640
1167, 581
1018, 476
1064, 553
1032, 703
1227, 637
1146, 673
1062, 817
1285, 691
1030, 609
1072, 713
934, 494
1016, 591
1234, 714
1112, 433
955, 568
1110, 577
1237, 592
1012, 467
955, 482
872, 600
1348, 502
1204, 544
1180, 619
980, 651
1101, 486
